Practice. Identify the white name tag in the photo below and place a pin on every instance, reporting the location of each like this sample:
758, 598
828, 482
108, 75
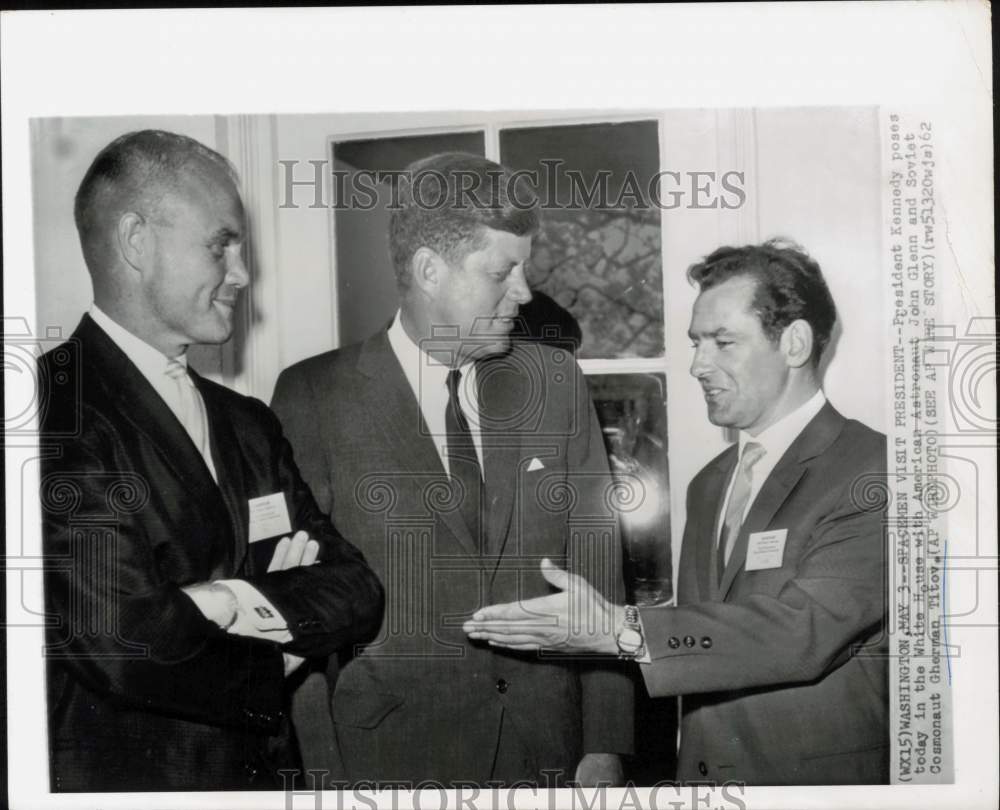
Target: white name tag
765, 550
269, 517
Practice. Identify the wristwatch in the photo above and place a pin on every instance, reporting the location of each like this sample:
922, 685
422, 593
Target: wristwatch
631, 644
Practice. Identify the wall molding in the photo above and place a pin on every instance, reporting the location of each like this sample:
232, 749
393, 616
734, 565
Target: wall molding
251, 361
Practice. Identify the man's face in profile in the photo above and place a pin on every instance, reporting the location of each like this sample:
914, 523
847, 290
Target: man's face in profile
742, 373
198, 267
481, 295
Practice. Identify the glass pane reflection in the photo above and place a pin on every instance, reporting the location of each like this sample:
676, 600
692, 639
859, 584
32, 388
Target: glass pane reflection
632, 410
598, 254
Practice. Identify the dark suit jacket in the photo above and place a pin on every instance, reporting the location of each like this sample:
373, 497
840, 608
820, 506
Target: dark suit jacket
783, 671
144, 692
422, 701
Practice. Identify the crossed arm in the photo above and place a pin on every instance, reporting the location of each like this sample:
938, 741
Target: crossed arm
218, 602
126, 626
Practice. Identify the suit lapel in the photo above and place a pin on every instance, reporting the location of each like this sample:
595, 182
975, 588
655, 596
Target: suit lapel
817, 436
228, 460
398, 414
132, 401
772, 495
138, 403
715, 490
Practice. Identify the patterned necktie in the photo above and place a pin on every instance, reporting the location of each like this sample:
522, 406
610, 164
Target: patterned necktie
463, 462
752, 453
192, 414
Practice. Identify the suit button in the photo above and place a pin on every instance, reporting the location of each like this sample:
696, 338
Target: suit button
673, 642
688, 641
706, 642
703, 768
502, 686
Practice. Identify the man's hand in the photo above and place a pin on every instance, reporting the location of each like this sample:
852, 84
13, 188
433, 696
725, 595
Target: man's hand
578, 619
293, 552
600, 770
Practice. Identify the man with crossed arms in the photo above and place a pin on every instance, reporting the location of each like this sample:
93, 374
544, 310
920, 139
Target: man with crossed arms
188, 568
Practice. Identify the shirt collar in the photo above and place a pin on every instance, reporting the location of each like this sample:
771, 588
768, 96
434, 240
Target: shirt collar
421, 368
777, 438
150, 361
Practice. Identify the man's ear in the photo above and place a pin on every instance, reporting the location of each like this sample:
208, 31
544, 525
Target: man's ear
797, 343
133, 236
428, 269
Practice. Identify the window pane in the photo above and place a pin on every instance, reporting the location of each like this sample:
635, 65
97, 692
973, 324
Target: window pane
598, 257
366, 284
632, 410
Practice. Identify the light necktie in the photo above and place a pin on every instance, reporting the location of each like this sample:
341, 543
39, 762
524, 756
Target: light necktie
752, 453
463, 462
192, 414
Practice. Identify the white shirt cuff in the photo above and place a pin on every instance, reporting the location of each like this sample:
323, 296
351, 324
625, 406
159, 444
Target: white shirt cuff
256, 616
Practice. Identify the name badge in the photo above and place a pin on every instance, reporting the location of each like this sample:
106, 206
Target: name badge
269, 517
765, 550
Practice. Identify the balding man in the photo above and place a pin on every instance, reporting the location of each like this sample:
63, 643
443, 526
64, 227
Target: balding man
174, 635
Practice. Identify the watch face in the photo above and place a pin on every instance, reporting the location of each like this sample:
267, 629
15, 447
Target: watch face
629, 640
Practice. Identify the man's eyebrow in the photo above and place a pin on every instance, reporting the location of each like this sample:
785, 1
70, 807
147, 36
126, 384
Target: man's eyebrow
225, 233
713, 334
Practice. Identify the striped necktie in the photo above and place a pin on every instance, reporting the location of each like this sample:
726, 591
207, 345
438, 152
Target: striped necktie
752, 453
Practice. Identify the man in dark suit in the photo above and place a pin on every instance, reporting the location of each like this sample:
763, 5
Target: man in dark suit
777, 643
462, 461
173, 634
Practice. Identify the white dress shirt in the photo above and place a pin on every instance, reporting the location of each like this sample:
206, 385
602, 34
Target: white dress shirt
428, 379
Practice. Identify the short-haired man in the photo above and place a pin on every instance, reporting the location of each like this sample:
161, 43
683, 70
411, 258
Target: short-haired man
458, 459
167, 666
777, 642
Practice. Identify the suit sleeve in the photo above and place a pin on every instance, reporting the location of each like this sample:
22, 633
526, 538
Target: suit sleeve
608, 691
835, 598
339, 600
294, 403
122, 628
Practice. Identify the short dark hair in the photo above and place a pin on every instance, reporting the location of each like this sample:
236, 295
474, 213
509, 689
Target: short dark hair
789, 286
132, 172
447, 200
